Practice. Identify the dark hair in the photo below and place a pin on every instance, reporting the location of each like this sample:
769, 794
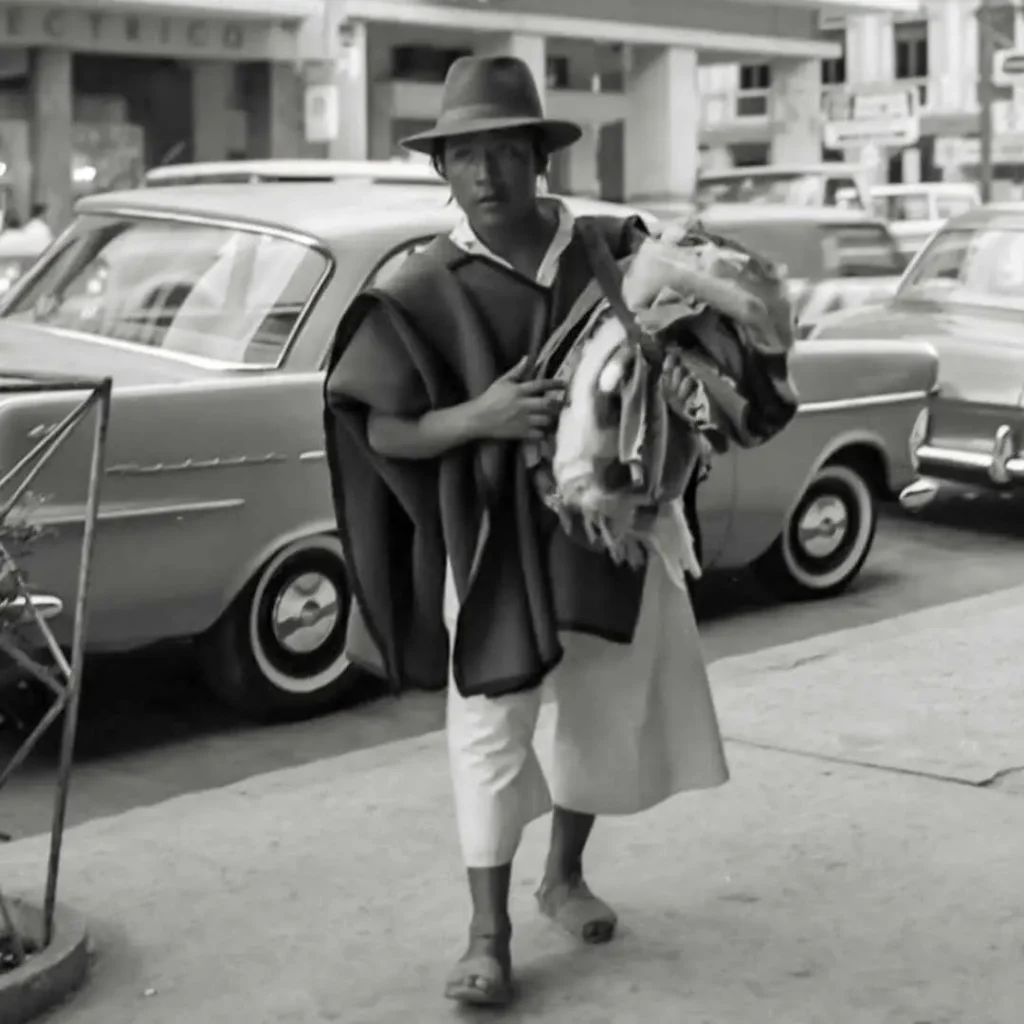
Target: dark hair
12, 220
540, 150
38, 210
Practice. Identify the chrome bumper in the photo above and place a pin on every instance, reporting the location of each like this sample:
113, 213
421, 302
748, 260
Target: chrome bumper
47, 606
998, 467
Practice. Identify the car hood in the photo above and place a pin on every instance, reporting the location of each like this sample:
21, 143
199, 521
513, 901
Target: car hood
884, 321
30, 348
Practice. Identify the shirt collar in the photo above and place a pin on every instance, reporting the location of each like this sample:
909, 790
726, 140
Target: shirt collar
462, 236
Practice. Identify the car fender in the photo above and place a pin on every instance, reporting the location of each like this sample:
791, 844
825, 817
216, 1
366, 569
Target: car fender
238, 580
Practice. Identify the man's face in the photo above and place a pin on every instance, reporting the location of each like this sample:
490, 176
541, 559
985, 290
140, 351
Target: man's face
493, 176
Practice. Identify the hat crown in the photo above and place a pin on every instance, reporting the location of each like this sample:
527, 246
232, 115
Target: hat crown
489, 87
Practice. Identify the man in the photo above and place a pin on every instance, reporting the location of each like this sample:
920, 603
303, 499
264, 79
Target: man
457, 568
37, 230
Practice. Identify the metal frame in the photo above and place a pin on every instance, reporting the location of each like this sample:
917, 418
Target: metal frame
64, 677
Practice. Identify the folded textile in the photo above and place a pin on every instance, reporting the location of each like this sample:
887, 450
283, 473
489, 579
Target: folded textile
623, 450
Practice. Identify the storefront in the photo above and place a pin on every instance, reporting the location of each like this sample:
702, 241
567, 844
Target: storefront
91, 95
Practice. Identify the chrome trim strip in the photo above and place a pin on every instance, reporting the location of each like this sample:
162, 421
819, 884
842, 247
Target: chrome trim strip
47, 606
317, 456
135, 469
112, 515
932, 455
864, 402
202, 220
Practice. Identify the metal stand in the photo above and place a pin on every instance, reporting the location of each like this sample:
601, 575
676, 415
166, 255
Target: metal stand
26, 640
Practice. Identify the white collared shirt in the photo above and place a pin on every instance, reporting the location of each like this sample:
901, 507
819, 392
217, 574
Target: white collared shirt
462, 236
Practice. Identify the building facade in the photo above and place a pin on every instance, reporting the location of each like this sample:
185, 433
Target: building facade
92, 92
934, 49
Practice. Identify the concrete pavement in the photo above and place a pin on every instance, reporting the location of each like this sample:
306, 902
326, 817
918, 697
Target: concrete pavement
810, 890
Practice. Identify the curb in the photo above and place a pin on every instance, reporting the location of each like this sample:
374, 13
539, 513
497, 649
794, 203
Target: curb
49, 977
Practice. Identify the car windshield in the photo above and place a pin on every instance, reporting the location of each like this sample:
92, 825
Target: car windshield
812, 252
198, 289
779, 189
981, 266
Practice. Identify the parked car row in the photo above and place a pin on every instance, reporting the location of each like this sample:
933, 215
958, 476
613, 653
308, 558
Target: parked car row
964, 296
212, 308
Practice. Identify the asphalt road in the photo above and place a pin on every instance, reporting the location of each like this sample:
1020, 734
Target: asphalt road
149, 731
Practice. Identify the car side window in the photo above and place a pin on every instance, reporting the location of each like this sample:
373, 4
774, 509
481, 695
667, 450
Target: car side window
395, 260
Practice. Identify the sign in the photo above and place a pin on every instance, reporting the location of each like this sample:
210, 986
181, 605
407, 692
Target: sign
889, 119
101, 31
1008, 68
322, 111
952, 151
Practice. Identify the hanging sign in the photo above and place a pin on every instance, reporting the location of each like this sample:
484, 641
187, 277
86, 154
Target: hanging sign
890, 119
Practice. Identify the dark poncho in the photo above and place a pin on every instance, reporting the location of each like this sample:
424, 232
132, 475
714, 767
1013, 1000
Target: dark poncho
436, 335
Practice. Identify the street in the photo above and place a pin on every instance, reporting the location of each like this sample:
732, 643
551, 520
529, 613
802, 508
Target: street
149, 732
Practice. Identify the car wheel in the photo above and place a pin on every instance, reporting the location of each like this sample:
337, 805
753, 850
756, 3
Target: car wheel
279, 650
826, 539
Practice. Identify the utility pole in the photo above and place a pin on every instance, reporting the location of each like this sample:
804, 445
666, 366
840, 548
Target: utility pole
989, 43
986, 87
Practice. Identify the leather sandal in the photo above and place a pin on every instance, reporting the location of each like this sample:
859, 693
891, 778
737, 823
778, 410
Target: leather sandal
480, 980
576, 909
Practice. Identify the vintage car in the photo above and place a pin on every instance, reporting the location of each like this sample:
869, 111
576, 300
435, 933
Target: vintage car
834, 259
964, 295
212, 308
830, 185
249, 172
915, 212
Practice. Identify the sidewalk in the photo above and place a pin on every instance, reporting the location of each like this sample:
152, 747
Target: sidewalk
807, 891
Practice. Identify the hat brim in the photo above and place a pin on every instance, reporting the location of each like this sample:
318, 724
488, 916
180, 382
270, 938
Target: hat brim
557, 134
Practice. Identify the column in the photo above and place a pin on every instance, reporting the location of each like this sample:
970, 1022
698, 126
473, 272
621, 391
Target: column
52, 114
350, 75
528, 48
212, 114
581, 167
275, 114
796, 112
662, 129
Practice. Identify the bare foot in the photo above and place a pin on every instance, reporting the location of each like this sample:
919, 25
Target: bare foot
575, 908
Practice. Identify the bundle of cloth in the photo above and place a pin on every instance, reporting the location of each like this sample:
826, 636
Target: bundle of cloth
669, 357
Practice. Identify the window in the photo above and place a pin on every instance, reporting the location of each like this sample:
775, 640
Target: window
387, 270
860, 250
557, 72
911, 45
833, 71
906, 207
755, 76
221, 293
983, 266
423, 63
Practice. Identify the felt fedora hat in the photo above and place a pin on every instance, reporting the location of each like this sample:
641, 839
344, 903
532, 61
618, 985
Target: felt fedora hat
486, 94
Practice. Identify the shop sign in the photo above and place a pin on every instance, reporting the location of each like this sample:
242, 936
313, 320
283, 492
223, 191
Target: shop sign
888, 118
322, 112
115, 32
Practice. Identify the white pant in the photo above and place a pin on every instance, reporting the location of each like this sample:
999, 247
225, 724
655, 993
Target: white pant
618, 728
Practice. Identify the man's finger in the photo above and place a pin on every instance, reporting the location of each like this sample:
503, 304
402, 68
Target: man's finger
541, 387
518, 371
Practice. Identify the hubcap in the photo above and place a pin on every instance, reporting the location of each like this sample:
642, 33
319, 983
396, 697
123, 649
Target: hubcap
823, 526
305, 613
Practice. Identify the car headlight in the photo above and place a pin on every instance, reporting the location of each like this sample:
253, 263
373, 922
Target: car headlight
919, 436
10, 271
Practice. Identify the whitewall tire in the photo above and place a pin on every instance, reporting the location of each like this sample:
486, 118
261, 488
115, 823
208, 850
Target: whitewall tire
279, 650
826, 538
